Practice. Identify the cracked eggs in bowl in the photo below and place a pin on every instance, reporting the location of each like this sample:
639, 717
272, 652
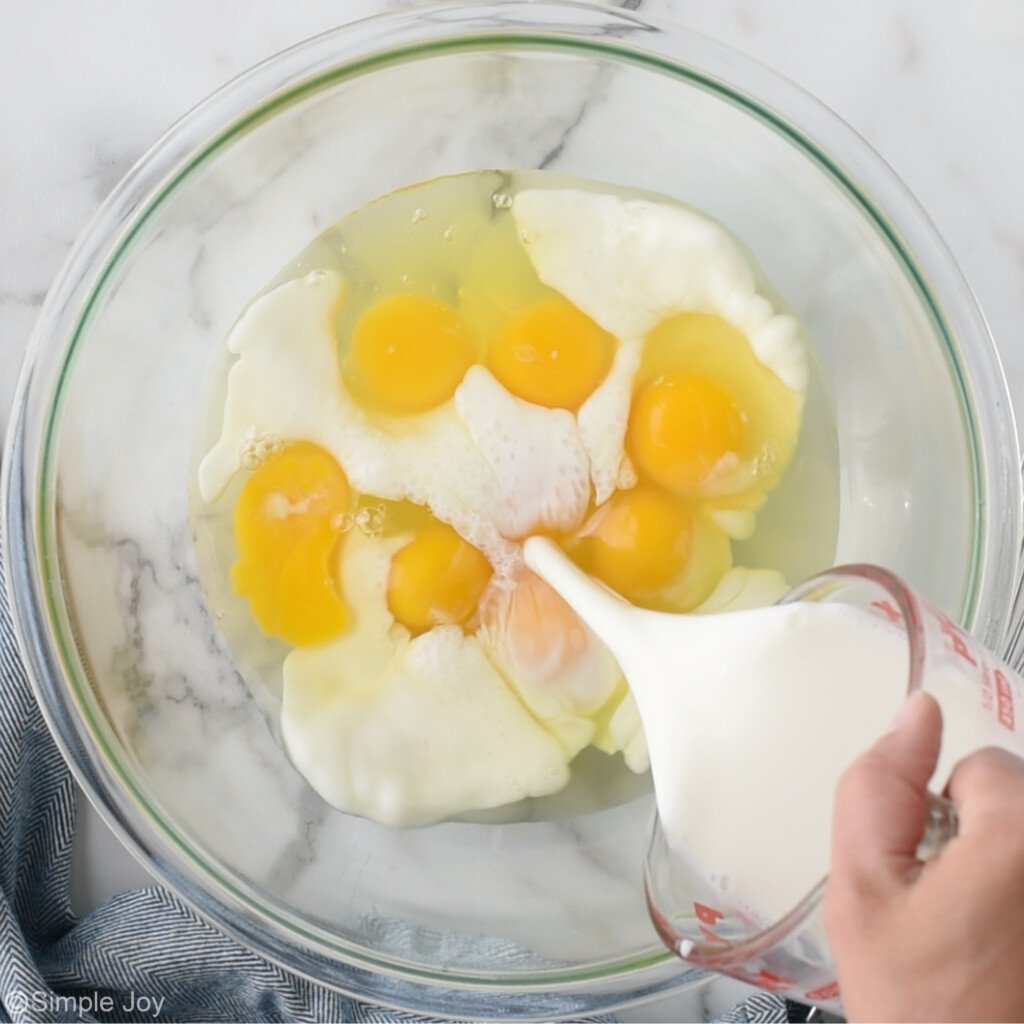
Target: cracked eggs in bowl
448, 370
295, 403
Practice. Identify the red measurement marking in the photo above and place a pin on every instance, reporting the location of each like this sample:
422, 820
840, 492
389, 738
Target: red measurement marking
708, 915
957, 639
988, 700
886, 608
1005, 704
772, 982
829, 991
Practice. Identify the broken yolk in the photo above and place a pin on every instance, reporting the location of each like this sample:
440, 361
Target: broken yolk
409, 353
639, 541
680, 427
436, 579
288, 520
551, 354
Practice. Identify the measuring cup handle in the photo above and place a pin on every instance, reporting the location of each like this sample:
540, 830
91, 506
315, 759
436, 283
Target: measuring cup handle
941, 824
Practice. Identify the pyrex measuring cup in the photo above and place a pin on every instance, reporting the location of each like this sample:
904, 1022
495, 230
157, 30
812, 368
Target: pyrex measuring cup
982, 701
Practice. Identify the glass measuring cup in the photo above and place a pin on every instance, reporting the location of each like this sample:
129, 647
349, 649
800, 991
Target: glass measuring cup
982, 697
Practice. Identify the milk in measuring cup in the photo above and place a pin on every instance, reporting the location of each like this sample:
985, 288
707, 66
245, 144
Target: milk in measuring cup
752, 716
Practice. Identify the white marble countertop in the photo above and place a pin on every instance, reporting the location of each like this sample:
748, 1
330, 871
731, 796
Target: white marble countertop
934, 85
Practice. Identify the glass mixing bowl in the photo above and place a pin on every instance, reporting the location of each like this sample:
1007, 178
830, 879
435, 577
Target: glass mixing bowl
535, 918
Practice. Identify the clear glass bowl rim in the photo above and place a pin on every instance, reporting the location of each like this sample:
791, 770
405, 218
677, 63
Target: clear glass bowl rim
353, 49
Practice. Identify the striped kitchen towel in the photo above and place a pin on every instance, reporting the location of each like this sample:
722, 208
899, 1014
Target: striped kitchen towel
143, 955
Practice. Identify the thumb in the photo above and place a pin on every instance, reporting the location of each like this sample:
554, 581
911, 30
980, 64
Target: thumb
880, 805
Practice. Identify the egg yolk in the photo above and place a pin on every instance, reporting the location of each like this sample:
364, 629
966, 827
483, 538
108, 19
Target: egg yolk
288, 520
436, 579
409, 353
639, 541
551, 354
680, 426
542, 631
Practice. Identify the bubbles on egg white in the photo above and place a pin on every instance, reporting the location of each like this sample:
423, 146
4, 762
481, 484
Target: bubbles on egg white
369, 520
255, 448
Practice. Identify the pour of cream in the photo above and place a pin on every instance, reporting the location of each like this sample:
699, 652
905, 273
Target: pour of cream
752, 716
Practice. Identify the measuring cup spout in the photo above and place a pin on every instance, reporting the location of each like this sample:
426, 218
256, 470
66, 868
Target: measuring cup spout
607, 614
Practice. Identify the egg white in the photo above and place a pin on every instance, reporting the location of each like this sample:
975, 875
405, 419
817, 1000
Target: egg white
602, 421
535, 454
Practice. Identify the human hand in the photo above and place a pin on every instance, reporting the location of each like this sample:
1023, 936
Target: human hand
938, 941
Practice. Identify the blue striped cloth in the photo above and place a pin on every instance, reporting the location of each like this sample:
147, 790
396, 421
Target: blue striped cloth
142, 955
